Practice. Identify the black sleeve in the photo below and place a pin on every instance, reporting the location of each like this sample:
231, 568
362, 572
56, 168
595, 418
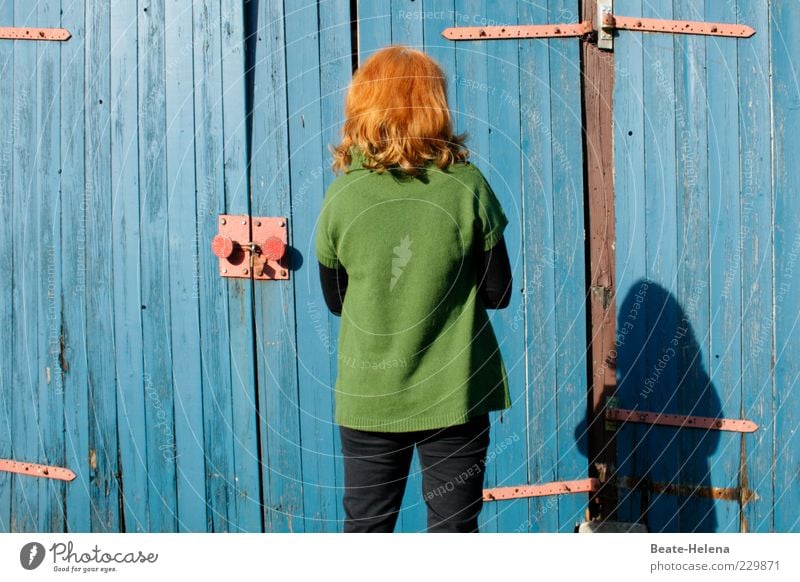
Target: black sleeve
494, 276
334, 286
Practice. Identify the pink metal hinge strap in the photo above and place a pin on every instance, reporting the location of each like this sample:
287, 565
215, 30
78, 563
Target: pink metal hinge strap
610, 22
25, 33
34, 470
681, 420
555, 488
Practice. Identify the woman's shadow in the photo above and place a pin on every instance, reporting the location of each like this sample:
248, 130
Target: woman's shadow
662, 473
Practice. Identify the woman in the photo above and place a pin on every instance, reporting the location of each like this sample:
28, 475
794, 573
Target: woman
411, 253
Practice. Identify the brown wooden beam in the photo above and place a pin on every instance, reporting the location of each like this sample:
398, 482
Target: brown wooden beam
597, 70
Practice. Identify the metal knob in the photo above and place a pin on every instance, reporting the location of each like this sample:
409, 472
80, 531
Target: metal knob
222, 246
273, 248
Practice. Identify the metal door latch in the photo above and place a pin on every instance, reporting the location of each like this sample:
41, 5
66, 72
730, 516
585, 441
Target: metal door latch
251, 247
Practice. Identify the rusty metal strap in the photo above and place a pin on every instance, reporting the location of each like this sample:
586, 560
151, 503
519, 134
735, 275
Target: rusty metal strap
34, 470
677, 26
610, 22
681, 420
741, 494
555, 488
525, 31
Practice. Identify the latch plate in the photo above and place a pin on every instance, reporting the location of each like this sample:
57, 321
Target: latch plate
605, 35
252, 247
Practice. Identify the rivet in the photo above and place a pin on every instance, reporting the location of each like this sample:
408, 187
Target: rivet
245, 271
244, 221
283, 273
258, 223
224, 270
222, 221
281, 223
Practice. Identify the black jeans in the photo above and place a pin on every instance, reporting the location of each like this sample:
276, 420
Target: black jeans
376, 466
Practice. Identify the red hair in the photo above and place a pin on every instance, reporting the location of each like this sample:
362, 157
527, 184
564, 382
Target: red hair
396, 112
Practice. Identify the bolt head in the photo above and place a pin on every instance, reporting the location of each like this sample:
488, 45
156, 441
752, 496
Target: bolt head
245, 271
222, 221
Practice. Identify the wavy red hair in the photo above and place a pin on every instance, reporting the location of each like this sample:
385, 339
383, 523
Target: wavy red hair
396, 112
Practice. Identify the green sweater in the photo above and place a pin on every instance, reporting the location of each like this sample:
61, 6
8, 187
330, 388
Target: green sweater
416, 348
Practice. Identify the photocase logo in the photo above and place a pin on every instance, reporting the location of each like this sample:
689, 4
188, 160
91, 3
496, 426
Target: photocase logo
402, 254
32, 555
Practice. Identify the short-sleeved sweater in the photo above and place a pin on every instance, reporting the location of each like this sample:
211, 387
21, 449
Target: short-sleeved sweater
416, 348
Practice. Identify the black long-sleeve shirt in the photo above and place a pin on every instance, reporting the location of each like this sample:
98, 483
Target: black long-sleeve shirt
494, 280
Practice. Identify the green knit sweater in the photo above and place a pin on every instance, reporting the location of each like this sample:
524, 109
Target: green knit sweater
416, 347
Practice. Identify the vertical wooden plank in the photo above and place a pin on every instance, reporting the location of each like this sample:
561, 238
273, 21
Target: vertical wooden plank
507, 459
407, 18
103, 441
51, 390
785, 19
126, 269
183, 284
275, 332
74, 269
155, 293
308, 411
660, 310
10, 128
28, 371
335, 40
374, 26
693, 258
438, 15
597, 71
631, 267
756, 468
207, 460
245, 491
716, 460
537, 318
335, 75
570, 278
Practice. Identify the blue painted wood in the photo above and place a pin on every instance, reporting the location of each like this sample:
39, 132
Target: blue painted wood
243, 483
276, 349
209, 458
710, 276
334, 41
407, 22
785, 129
693, 254
757, 259
537, 317
307, 165
507, 458
716, 459
125, 247
103, 442
155, 228
49, 316
657, 449
7, 137
374, 27
73, 270
569, 261
631, 268
28, 369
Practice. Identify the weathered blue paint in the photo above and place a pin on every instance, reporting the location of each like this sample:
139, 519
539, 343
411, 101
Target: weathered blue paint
786, 127
188, 402
701, 220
